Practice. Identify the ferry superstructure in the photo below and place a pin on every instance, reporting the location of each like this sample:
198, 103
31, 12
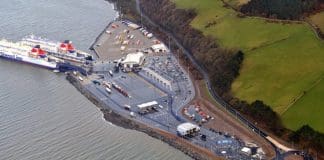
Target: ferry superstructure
64, 50
23, 53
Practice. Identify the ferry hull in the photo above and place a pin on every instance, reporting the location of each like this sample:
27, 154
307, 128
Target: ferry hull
63, 67
22, 60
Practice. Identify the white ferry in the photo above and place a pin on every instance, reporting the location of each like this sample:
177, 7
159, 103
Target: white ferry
64, 50
20, 52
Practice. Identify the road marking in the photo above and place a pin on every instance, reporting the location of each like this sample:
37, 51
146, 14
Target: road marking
149, 84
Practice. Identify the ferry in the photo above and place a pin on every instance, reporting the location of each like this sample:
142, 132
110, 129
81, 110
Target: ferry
32, 55
64, 50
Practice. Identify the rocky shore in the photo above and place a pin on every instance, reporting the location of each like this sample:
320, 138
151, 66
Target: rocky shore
189, 149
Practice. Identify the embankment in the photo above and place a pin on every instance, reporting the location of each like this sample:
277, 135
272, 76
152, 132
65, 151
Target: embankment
126, 122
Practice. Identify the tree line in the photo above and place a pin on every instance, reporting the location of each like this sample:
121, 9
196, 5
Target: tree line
281, 9
307, 137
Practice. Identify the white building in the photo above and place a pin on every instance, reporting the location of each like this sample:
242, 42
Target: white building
247, 151
133, 59
147, 106
159, 48
187, 129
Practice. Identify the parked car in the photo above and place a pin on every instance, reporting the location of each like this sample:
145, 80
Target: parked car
96, 82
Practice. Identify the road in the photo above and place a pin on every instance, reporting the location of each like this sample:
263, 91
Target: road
218, 99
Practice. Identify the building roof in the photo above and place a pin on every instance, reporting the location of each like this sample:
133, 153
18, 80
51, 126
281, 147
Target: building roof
133, 25
185, 127
160, 46
134, 58
148, 104
246, 150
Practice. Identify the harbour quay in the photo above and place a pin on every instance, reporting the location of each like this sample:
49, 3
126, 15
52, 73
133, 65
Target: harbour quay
137, 76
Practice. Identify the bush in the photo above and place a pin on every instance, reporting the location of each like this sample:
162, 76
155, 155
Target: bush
308, 137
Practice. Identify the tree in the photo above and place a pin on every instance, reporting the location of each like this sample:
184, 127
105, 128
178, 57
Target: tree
281, 9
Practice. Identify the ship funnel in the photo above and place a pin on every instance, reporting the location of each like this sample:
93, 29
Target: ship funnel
63, 45
67, 46
37, 51
34, 50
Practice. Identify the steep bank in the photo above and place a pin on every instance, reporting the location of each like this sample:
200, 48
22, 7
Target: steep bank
126, 122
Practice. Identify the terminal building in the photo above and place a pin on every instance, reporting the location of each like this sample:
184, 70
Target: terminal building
187, 129
133, 60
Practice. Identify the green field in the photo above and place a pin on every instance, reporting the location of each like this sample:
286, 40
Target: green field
281, 60
318, 19
309, 108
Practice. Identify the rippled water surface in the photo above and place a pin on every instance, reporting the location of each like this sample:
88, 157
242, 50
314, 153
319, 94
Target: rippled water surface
42, 116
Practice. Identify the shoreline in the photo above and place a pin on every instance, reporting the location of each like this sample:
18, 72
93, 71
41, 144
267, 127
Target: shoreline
109, 115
